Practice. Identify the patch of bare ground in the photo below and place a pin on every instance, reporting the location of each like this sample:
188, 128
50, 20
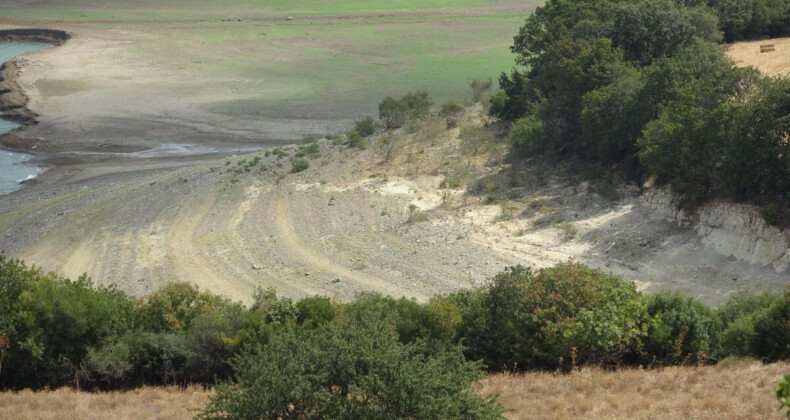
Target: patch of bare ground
424, 210
68, 404
722, 392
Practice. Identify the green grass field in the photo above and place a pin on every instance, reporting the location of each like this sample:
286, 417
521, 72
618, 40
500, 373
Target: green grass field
334, 60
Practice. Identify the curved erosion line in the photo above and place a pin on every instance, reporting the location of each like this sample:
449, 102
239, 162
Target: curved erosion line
17, 111
309, 256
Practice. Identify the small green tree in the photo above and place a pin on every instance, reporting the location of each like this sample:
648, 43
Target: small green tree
393, 112
357, 371
365, 127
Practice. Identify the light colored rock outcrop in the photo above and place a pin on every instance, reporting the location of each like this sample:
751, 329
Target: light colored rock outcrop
735, 230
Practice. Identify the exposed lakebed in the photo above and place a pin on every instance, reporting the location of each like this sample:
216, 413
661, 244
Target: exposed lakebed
12, 167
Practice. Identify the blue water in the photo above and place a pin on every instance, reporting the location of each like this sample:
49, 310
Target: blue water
12, 169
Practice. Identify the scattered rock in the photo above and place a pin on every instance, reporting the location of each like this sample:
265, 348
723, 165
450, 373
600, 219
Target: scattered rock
336, 280
256, 267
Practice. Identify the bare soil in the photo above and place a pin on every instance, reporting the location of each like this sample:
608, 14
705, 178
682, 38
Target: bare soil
421, 212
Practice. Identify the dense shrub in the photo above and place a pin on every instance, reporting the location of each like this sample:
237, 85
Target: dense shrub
772, 331
528, 135
395, 112
770, 213
65, 332
299, 165
315, 311
682, 329
533, 319
365, 127
356, 140
644, 87
175, 306
359, 370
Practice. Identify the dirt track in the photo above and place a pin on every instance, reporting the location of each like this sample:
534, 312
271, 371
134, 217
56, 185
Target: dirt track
345, 224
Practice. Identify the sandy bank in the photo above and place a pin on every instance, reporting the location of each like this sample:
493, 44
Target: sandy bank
13, 98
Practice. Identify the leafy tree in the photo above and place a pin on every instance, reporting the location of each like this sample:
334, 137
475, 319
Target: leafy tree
418, 103
175, 306
532, 319
651, 29
393, 112
58, 322
360, 370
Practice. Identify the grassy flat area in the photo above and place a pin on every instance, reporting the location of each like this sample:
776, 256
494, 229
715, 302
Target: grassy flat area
334, 61
179, 9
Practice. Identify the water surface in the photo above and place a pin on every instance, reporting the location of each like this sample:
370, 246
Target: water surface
12, 168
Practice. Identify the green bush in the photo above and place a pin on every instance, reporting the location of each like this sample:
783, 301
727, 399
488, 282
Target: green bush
772, 331
682, 329
770, 213
533, 319
299, 165
359, 370
315, 311
643, 86
737, 339
365, 127
356, 140
58, 321
528, 134
175, 306
395, 112
498, 103
411, 321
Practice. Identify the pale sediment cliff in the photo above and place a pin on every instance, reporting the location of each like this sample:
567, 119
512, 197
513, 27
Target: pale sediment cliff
731, 229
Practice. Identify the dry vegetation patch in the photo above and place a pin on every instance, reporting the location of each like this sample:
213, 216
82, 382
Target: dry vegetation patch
725, 391
66, 404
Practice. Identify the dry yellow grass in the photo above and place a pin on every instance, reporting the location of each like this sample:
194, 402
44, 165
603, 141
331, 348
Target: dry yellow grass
724, 392
773, 63
727, 391
68, 404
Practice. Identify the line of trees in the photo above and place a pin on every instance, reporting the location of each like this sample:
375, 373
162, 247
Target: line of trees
645, 87
62, 332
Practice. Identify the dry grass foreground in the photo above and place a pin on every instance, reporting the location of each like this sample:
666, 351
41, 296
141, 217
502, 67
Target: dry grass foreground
725, 391
67, 404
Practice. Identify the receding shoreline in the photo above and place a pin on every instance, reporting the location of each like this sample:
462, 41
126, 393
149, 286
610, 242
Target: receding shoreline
13, 99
